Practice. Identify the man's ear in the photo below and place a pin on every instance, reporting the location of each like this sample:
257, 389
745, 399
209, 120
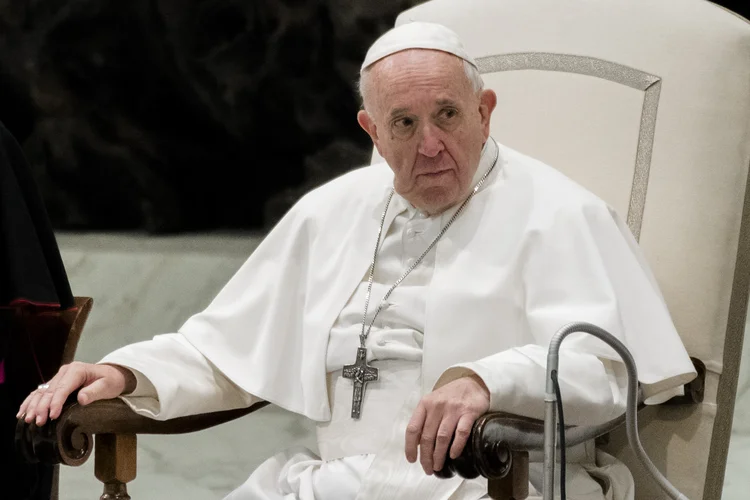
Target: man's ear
487, 103
368, 125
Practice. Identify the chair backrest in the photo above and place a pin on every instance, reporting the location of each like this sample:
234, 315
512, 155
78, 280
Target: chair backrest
78, 316
40, 341
647, 104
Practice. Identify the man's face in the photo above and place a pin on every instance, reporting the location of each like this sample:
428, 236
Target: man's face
428, 123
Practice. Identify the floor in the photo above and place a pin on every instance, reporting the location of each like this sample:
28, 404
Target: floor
144, 286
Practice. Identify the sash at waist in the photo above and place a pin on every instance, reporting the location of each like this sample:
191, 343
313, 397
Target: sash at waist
383, 400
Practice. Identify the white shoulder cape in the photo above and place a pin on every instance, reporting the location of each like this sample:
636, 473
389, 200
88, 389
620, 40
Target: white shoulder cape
532, 252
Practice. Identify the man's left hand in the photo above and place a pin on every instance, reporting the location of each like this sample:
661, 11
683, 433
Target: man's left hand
451, 409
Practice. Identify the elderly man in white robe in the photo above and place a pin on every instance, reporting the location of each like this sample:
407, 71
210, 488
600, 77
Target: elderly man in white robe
401, 301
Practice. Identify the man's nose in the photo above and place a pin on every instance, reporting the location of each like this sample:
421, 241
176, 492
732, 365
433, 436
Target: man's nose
430, 144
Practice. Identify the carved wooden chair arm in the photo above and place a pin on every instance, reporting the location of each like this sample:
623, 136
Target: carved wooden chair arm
498, 447
69, 439
499, 444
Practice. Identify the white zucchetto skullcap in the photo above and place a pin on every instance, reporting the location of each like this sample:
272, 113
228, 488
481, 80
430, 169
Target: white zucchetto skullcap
416, 35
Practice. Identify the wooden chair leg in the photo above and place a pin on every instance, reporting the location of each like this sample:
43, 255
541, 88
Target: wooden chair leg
515, 485
115, 456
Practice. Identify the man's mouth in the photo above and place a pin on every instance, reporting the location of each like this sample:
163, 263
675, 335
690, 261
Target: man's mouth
435, 174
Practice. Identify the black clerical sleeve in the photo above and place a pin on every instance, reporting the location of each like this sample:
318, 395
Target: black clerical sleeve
31, 270
33, 284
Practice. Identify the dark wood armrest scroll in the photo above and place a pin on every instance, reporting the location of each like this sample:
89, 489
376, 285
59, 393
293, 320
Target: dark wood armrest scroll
69, 439
493, 438
498, 449
499, 446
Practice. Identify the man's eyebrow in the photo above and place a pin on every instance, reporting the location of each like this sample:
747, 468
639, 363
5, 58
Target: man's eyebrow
446, 102
398, 111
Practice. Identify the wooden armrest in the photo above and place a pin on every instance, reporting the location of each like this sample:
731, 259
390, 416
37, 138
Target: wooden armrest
69, 439
499, 444
498, 449
493, 439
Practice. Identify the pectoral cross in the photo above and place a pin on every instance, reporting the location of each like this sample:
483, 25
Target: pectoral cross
360, 373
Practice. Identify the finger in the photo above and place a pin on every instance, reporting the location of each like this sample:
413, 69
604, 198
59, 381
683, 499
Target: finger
25, 405
33, 397
461, 436
443, 440
31, 410
414, 432
101, 389
42, 407
427, 441
71, 380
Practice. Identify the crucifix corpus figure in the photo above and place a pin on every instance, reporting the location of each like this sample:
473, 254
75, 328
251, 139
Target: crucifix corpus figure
361, 373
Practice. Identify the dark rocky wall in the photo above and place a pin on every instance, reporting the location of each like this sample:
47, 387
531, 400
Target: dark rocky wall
173, 115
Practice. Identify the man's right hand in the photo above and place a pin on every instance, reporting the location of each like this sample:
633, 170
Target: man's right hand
96, 382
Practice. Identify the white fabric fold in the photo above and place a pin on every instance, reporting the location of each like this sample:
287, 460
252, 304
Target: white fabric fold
516, 379
174, 379
344, 436
391, 476
531, 253
586, 266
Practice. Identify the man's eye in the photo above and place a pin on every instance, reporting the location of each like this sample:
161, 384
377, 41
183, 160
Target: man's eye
403, 128
448, 113
403, 123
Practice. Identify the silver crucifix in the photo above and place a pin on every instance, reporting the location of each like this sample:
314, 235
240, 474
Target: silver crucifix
360, 373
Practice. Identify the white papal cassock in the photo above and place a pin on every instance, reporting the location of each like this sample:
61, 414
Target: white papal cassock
532, 252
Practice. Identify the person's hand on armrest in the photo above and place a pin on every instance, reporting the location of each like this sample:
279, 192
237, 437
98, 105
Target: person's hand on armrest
100, 381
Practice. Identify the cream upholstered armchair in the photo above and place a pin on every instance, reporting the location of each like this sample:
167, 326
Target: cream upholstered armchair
646, 103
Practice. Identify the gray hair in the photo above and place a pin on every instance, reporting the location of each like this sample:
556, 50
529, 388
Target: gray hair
472, 73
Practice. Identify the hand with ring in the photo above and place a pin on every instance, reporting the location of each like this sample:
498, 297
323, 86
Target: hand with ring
96, 382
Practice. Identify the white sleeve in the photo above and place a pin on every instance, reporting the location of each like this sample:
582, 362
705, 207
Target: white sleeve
585, 266
592, 390
174, 379
143, 386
